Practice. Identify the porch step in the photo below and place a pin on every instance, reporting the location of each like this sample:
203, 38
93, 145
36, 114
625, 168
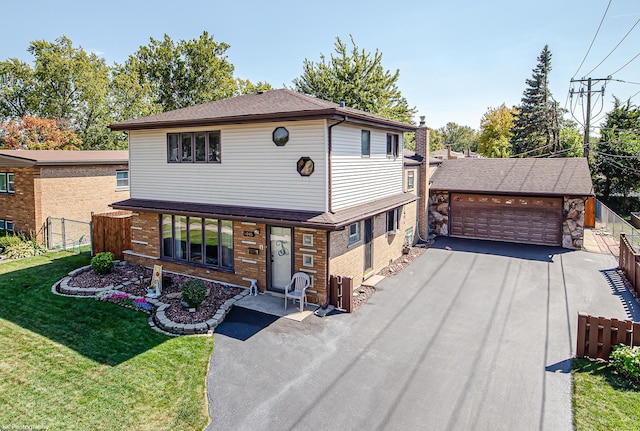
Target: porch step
373, 280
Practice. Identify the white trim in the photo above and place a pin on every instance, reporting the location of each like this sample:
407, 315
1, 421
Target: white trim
250, 242
305, 242
312, 271
248, 223
130, 252
136, 228
308, 250
135, 241
249, 261
307, 260
307, 229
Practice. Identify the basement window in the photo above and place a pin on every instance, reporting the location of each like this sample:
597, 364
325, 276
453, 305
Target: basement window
354, 233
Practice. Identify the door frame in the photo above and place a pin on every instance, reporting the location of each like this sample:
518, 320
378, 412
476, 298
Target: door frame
270, 287
367, 233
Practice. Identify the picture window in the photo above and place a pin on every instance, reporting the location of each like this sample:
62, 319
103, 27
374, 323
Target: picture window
196, 147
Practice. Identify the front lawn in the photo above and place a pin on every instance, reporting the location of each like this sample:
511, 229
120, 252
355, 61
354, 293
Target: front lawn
603, 400
76, 363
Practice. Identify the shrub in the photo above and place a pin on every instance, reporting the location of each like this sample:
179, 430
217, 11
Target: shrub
194, 292
9, 240
24, 248
626, 361
102, 263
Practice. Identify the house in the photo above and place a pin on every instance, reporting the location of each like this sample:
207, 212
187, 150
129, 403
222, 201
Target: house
38, 184
260, 186
530, 200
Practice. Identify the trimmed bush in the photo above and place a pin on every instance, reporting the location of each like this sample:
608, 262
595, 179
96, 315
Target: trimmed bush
102, 263
626, 361
194, 292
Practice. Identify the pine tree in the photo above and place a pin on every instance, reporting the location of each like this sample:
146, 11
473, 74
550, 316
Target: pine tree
536, 128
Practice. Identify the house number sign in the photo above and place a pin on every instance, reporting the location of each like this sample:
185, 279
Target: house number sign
248, 233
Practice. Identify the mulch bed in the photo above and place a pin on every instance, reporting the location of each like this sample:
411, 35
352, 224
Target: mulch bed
217, 293
403, 261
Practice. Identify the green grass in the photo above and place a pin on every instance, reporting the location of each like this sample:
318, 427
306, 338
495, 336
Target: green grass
603, 400
80, 364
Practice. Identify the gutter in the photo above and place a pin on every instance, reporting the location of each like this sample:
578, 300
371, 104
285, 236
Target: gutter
330, 153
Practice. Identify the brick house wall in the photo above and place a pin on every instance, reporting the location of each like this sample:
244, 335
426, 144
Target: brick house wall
23, 206
349, 260
74, 192
317, 270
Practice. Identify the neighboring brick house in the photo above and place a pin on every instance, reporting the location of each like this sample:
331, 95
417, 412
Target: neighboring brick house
531, 200
38, 184
260, 186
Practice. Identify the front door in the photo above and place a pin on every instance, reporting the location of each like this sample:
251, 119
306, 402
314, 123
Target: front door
281, 257
368, 246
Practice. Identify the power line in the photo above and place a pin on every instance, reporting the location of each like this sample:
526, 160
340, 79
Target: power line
626, 64
614, 48
593, 40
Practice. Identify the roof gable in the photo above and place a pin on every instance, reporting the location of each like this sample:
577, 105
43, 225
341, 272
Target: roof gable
261, 106
528, 176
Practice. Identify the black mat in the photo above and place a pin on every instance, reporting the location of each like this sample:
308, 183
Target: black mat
242, 323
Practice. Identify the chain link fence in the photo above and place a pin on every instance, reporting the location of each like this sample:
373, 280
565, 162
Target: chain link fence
67, 234
614, 224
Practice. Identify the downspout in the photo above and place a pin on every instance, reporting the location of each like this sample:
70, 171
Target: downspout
329, 188
330, 151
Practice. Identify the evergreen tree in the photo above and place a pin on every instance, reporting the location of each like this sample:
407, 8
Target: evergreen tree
536, 128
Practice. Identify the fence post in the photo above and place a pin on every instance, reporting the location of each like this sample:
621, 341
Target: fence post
582, 334
91, 235
64, 236
49, 230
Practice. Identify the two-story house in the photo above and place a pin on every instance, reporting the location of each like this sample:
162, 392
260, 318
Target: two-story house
260, 186
38, 184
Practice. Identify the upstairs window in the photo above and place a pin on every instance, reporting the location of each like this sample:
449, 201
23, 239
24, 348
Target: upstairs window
10, 188
196, 147
122, 180
365, 143
410, 180
393, 145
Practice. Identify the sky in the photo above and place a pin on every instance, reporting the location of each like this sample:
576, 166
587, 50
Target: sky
456, 58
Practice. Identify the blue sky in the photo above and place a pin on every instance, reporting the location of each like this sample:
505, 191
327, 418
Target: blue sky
456, 58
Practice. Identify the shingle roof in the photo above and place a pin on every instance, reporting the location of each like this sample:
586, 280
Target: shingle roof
530, 176
315, 219
62, 157
261, 106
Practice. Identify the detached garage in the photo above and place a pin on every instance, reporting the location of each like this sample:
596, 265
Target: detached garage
533, 201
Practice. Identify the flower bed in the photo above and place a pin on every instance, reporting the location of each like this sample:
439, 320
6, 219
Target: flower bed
125, 300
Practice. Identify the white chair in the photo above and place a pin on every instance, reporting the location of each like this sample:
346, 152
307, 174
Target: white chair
297, 289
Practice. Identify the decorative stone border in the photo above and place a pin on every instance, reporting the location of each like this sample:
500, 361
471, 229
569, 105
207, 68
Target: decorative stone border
158, 320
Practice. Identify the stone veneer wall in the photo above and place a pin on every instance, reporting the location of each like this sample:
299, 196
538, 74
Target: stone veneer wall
439, 213
573, 222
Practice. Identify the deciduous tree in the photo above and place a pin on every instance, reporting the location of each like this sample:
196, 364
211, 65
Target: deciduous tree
357, 78
495, 132
35, 133
461, 138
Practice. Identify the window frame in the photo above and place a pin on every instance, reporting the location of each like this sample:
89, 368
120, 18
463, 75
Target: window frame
2, 224
3, 184
356, 237
122, 187
210, 148
188, 258
11, 188
366, 133
411, 180
6, 225
393, 145
393, 220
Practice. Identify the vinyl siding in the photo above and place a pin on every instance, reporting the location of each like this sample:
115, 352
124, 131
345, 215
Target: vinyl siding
254, 171
357, 179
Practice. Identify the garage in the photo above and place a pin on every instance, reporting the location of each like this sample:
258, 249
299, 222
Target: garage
532, 220
532, 201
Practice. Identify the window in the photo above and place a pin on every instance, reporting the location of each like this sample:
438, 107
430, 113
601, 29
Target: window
354, 233
1, 224
197, 147
393, 220
122, 180
280, 136
365, 143
410, 180
201, 241
6, 183
307, 240
393, 145
8, 225
307, 260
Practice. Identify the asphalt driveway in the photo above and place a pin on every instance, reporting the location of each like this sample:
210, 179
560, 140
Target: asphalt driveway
478, 337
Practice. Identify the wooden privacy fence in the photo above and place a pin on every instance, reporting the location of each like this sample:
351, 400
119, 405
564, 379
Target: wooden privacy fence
341, 292
111, 232
629, 263
598, 335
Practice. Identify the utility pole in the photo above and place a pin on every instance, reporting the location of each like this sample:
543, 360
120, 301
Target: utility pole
587, 124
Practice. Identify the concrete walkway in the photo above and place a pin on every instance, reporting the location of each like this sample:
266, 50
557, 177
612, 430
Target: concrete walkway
476, 338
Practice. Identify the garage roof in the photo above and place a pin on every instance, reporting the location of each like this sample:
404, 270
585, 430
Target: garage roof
529, 176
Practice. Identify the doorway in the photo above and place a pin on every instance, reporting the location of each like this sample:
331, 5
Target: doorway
281, 259
368, 245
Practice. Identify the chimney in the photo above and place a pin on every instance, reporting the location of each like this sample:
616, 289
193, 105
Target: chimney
422, 180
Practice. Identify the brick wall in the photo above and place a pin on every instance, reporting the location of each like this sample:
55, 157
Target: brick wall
349, 260
312, 259
74, 192
21, 207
